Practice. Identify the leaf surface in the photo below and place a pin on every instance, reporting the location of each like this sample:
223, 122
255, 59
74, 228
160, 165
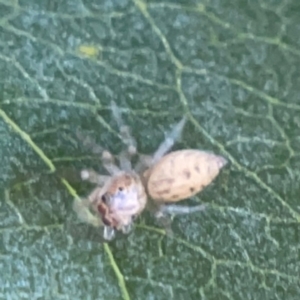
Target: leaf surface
231, 67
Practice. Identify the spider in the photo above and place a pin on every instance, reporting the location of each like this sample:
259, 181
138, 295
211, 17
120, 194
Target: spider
122, 195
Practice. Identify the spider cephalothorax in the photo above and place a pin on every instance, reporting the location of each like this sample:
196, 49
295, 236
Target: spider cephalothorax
123, 199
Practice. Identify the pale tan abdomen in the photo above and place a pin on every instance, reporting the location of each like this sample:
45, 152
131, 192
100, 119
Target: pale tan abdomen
182, 174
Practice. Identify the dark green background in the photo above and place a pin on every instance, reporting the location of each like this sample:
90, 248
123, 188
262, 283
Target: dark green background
231, 66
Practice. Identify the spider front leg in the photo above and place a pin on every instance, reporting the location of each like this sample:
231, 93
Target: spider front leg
144, 163
93, 177
88, 142
82, 209
107, 159
127, 138
109, 163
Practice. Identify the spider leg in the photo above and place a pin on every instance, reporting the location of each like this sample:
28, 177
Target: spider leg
81, 207
127, 138
180, 209
88, 142
124, 129
93, 177
162, 219
169, 140
144, 162
163, 212
109, 164
124, 159
107, 158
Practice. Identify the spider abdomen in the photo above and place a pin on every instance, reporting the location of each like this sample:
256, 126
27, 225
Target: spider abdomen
182, 174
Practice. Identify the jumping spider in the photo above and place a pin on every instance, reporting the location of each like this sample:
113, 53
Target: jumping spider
122, 195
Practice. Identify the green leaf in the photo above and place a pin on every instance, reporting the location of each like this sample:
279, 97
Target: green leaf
231, 66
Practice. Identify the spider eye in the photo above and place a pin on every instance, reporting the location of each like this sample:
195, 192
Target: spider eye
105, 198
121, 189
